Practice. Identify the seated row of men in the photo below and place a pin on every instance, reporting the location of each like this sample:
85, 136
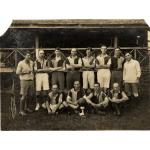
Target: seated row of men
115, 69
78, 101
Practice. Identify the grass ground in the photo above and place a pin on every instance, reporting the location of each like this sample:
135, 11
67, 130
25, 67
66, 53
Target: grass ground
135, 116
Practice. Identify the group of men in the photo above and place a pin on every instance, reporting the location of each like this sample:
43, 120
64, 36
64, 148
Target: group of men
117, 81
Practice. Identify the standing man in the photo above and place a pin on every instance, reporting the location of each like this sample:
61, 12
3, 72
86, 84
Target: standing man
131, 76
57, 65
25, 72
42, 79
103, 63
117, 68
73, 65
88, 70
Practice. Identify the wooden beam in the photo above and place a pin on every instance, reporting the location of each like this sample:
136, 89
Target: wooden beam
36, 46
115, 41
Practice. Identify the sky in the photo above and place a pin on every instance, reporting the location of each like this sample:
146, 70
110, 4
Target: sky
72, 9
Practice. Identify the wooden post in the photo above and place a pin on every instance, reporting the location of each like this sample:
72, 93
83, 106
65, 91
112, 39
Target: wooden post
36, 46
115, 41
16, 59
148, 37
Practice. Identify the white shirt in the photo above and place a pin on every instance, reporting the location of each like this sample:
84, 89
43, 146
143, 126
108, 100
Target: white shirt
23, 67
131, 71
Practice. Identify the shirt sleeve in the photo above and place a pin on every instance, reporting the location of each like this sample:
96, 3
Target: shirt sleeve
35, 65
60, 98
124, 96
138, 68
97, 62
67, 62
80, 61
124, 71
109, 62
19, 68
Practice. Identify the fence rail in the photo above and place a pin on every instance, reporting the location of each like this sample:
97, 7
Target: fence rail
9, 57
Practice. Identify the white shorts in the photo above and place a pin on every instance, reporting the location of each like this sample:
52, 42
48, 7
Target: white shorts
103, 77
88, 78
42, 82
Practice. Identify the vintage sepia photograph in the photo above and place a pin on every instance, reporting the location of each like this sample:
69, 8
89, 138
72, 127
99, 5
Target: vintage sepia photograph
75, 74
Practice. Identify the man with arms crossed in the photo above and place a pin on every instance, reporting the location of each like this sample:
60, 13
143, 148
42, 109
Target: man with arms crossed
73, 65
42, 79
103, 63
88, 70
57, 66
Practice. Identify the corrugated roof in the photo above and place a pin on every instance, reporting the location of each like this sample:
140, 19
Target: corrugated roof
78, 23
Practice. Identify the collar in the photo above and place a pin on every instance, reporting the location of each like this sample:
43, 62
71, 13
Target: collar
103, 55
130, 61
74, 56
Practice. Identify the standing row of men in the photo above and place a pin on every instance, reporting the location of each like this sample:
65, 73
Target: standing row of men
110, 70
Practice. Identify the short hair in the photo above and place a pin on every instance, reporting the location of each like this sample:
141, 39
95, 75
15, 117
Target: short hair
74, 49
116, 84
41, 51
117, 48
58, 48
97, 83
103, 46
55, 85
89, 48
128, 54
27, 52
76, 81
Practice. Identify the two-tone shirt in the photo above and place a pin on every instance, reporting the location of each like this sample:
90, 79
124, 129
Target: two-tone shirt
55, 98
74, 60
57, 62
103, 60
117, 63
88, 61
41, 64
76, 94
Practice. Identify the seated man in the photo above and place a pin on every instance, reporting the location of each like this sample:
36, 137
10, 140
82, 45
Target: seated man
97, 100
75, 99
55, 100
116, 96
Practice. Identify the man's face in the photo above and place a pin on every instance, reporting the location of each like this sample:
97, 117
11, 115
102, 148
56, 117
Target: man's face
57, 52
103, 49
55, 89
116, 87
76, 85
128, 57
73, 52
96, 87
117, 51
41, 55
88, 52
27, 57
